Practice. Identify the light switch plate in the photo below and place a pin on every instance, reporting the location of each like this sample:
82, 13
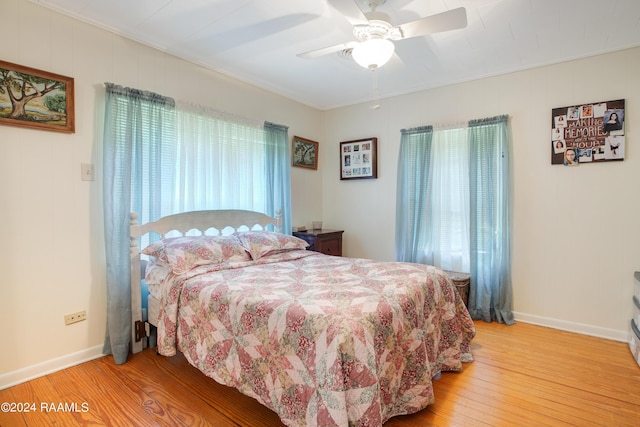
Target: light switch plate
86, 172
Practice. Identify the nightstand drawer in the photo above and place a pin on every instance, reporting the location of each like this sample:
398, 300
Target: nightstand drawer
331, 246
328, 242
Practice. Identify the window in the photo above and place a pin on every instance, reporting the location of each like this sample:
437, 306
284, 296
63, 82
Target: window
452, 208
448, 201
160, 160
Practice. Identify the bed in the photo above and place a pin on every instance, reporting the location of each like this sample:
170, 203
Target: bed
320, 340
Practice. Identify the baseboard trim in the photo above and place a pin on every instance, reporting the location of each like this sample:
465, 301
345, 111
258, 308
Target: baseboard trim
49, 366
579, 328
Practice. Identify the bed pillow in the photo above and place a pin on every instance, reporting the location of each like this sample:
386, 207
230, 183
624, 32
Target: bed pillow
261, 243
156, 250
156, 272
186, 252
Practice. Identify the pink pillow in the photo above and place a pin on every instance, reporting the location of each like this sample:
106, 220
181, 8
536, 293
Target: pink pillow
186, 252
261, 243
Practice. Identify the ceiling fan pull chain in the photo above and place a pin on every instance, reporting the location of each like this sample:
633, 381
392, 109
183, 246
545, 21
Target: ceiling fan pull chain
376, 96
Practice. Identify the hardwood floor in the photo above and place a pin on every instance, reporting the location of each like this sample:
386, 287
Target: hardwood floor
523, 375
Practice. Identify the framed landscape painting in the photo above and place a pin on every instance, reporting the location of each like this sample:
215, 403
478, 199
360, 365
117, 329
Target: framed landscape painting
36, 99
304, 153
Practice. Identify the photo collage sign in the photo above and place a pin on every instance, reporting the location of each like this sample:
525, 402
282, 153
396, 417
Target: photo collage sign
587, 133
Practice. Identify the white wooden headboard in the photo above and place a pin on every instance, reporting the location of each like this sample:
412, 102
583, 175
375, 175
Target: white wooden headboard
182, 223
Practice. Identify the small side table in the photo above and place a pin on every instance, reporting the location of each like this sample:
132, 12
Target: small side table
461, 281
328, 242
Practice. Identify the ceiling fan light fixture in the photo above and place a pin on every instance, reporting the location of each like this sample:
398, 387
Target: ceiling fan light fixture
373, 53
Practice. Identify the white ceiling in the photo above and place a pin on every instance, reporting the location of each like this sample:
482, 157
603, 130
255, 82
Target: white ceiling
257, 41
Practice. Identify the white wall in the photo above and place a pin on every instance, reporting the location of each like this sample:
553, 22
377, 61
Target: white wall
576, 231
51, 256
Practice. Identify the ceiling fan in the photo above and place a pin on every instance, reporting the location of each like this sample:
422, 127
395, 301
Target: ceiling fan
375, 34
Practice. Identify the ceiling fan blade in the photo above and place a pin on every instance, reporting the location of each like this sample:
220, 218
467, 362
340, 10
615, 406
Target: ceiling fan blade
451, 20
350, 10
327, 50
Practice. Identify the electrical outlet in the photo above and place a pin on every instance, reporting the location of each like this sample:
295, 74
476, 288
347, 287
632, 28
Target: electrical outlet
75, 317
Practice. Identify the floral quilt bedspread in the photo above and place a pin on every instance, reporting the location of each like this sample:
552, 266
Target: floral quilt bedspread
320, 340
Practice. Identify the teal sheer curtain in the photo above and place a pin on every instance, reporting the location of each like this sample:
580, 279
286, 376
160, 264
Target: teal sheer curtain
412, 225
420, 202
278, 173
138, 132
490, 297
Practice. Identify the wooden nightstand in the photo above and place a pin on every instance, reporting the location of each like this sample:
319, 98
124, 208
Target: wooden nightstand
328, 242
